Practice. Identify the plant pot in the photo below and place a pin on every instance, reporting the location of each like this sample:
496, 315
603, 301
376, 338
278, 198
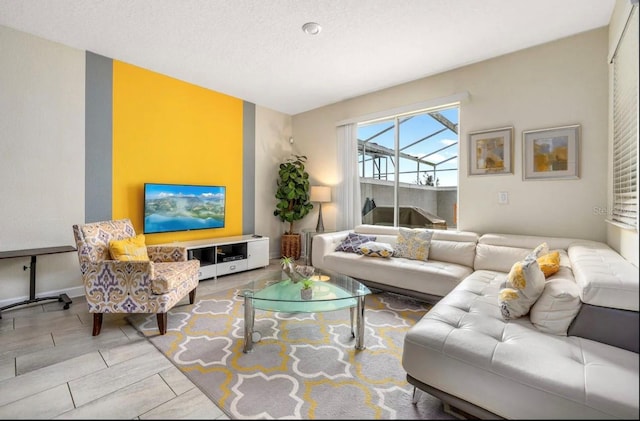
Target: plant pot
306, 293
290, 245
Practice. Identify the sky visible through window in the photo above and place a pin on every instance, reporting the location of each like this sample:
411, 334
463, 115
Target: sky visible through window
421, 136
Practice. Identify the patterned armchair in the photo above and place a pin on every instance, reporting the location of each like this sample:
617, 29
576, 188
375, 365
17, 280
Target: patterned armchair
113, 286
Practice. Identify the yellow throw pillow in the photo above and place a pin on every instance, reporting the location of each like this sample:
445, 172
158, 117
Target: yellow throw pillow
549, 263
129, 249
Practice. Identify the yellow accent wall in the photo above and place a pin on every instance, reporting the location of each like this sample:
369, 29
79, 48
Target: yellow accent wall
169, 131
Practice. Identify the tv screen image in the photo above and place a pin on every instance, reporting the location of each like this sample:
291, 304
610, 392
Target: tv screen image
182, 207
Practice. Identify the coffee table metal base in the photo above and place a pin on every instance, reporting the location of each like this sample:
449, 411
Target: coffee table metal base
250, 313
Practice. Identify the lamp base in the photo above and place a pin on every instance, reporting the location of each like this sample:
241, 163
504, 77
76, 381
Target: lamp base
320, 226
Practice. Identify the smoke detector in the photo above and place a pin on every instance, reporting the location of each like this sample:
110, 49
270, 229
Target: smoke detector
311, 28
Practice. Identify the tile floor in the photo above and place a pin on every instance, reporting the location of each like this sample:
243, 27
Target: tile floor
52, 368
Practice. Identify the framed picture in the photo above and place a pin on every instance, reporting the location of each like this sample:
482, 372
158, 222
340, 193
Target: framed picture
490, 151
551, 153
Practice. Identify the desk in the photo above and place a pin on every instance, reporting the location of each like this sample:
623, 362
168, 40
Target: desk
34, 253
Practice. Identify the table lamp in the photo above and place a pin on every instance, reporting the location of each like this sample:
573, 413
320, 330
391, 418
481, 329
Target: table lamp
320, 194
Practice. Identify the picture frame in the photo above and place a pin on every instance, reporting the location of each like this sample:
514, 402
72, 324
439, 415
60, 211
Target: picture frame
490, 151
551, 154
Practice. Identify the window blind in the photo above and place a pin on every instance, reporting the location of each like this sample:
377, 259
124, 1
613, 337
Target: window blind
625, 125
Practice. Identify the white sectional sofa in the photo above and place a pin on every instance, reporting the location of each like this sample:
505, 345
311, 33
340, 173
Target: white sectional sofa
574, 356
451, 259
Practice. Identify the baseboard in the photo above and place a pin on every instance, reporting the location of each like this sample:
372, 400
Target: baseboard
71, 292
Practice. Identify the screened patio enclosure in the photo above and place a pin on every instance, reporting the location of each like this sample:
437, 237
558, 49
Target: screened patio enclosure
408, 168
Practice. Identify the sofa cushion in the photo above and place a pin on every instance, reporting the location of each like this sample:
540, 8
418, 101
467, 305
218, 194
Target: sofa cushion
500, 251
463, 347
374, 249
370, 229
604, 277
446, 245
432, 277
558, 304
169, 276
129, 249
413, 244
351, 243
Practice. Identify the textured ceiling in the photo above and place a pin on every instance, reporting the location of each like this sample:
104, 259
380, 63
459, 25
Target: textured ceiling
256, 50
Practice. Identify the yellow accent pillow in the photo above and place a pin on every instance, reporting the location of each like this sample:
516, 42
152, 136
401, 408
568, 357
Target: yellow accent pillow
549, 263
129, 249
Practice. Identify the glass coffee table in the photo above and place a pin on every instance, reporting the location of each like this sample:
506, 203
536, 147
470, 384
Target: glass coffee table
274, 291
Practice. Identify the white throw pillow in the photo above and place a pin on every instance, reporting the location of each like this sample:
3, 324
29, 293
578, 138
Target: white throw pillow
375, 249
558, 305
525, 283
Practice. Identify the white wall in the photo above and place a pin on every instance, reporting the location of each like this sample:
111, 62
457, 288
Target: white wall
624, 241
41, 160
556, 84
273, 130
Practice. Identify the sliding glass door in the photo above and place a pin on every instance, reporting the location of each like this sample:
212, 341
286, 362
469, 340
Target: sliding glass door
408, 168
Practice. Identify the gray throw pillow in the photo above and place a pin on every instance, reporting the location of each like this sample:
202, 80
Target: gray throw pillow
353, 241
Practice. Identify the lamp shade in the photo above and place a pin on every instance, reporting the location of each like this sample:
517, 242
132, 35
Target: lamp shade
320, 194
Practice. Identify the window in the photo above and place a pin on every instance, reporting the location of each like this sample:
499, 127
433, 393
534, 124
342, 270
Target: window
408, 168
625, 125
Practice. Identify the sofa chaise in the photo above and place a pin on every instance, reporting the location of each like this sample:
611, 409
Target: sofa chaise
574, 355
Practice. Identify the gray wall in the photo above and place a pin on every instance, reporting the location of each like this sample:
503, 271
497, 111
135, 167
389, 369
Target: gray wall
99, 136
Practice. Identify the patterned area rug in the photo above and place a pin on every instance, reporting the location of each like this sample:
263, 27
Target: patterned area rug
304, 367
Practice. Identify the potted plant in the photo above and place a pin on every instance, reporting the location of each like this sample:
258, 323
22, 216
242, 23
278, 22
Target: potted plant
296, 273
293, 202
306, 293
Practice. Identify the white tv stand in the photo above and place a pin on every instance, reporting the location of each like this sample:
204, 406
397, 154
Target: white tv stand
226, 255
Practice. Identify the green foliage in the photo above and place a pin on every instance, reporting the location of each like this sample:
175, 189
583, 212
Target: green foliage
307, 283
285, 262
293, 191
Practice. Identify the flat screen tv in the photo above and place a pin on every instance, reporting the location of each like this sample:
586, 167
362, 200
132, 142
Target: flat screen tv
182, 207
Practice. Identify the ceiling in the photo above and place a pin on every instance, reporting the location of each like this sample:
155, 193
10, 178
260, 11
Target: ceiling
256, 50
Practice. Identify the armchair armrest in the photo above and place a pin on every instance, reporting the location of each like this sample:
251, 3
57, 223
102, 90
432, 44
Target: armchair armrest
167, 253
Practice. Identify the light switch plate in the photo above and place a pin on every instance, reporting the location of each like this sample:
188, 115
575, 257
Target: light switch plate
503, 197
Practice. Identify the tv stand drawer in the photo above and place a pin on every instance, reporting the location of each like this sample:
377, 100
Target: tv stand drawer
231, 267
207, 271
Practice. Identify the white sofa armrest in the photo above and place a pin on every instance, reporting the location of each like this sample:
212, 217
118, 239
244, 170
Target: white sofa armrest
324, 244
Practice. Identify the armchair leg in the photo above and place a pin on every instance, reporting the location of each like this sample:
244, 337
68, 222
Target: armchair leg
97, 323
192, 296
162, 322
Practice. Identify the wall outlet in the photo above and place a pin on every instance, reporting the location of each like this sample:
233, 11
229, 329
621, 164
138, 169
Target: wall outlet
503, 197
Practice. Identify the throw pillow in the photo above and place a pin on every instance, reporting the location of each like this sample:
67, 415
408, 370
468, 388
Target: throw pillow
558, 305
353, 241
549, 263
373, 249
413, 243
525, 283
129, 249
